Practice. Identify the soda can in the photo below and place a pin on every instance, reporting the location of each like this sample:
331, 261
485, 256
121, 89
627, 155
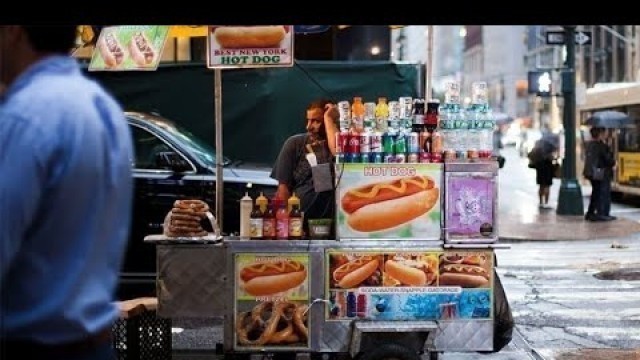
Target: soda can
400, 158
389, 158
353, 145
461, 154
424, 142
436, 142
436, 157
377, 158
352, 158
340, 158
412, 158
389, 143
473, 154
424, 157
376, 142
448, 154
365, 158
401, 143
365, 143
413, 144
342, 138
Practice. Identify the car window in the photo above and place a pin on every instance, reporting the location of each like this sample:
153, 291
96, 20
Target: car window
147, 146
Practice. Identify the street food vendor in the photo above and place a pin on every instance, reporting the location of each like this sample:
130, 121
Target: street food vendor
293, 167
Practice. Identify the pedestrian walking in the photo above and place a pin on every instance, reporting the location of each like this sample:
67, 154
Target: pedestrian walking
598, 169
543, 159
65, 200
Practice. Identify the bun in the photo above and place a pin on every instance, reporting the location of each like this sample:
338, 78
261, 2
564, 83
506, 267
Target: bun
467, 276
268, 278
405, 274
110, 49
141, 49
356, 271
237, 37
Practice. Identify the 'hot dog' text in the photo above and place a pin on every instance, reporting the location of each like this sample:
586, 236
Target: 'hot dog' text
390, 171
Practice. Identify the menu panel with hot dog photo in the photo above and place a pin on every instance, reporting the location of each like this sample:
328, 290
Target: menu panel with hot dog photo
389, 201
405, 285
272, 299
129, 47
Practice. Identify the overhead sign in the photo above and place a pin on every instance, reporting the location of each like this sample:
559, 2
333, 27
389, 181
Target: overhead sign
254, 46
557, 37
129, 47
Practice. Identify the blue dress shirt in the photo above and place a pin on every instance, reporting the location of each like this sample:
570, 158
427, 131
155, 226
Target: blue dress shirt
65, 203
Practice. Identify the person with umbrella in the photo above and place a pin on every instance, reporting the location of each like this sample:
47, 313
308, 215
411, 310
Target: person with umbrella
598, 169
542, 158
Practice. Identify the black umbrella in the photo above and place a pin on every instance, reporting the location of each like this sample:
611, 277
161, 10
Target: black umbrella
502, 118
609, 119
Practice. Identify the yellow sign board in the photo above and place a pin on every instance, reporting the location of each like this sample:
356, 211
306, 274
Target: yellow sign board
629, 168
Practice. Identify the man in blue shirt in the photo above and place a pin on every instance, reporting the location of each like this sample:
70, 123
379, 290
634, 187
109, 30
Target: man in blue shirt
65, 200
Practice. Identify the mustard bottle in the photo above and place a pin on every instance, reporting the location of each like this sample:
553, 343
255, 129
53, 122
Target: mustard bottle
263, 202
293, 200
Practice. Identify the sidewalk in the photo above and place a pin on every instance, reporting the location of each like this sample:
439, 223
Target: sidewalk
520, 219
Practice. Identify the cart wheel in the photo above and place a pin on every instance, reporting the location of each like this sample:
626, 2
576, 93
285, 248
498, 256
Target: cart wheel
434, 355
390, 352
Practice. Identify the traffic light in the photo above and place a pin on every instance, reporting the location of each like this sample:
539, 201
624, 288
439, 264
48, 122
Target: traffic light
540, 83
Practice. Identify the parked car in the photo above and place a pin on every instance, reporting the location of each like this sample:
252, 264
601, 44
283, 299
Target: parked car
171, 163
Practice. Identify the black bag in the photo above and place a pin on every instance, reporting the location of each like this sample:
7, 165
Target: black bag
502, 317
557, 170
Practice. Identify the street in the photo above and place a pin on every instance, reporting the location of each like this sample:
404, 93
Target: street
558, 303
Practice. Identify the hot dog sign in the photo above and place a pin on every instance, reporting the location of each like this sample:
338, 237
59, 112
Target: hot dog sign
250, 46
129, 47
389, 201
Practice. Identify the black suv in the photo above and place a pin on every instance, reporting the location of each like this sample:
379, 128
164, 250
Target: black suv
172, 164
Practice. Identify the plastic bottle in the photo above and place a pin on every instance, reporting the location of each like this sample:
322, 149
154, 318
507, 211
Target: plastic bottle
382, 114
263, 202
246, 206
295, 223
269, 223
282, 220
293, 200
257, 222
357, 114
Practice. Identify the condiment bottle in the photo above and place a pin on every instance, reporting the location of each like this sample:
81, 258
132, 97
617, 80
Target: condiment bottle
269, 223
295, 223
246, 205
382, 114
263, 202
257, 222
293, 200
282, 220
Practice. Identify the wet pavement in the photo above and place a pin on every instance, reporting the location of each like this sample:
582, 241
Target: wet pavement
521, 219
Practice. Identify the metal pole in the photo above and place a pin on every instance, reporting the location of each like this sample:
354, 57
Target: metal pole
570, 196
217, 93
636, 65
428, 64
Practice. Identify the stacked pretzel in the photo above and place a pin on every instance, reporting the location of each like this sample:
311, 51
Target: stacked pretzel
185, 219
273, 323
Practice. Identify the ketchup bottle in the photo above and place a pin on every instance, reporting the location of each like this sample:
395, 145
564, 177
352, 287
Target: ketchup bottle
282, 220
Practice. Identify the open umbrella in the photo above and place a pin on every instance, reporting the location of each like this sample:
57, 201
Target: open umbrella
609, 119
502, 118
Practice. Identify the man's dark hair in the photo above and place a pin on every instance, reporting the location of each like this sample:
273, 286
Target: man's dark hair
52, 39
319, 104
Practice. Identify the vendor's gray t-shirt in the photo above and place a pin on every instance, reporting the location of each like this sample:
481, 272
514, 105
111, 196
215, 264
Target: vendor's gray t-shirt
293, 169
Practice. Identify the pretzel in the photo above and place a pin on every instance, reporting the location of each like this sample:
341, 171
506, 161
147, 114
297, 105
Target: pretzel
272, 323
187, 234
186, 223
184, 217
191, 204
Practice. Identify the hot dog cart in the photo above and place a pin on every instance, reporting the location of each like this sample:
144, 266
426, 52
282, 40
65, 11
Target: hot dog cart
424, 286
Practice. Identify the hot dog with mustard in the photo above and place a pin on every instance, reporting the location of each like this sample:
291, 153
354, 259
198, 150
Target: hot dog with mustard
268, 278
384, 205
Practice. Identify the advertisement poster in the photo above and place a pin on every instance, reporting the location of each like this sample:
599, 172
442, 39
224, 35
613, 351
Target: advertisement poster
470, 208
250, 46
417, 285
129, 47
272, 298
389, 201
